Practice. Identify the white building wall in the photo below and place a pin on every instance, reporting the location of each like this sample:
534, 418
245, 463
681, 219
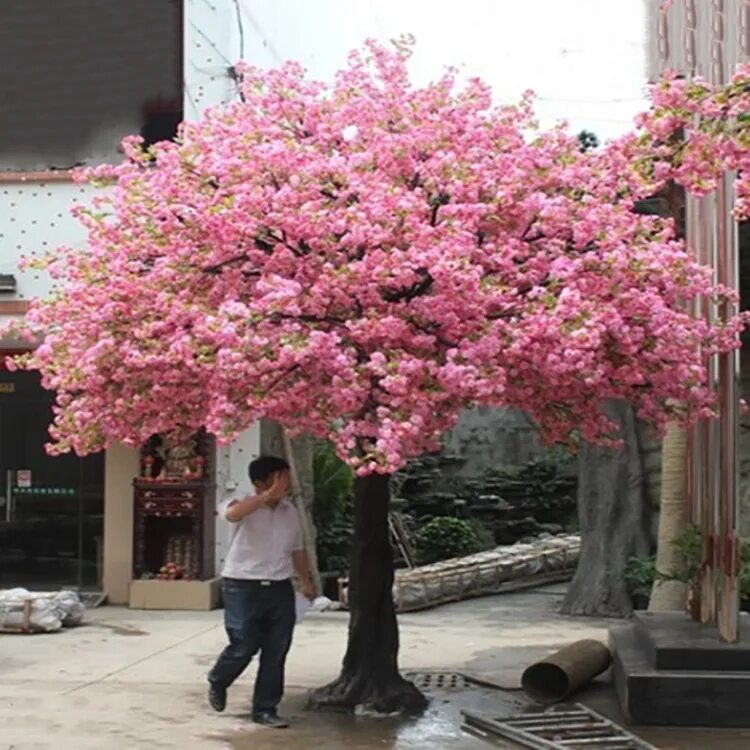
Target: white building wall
69, 94
35, 219
211, 48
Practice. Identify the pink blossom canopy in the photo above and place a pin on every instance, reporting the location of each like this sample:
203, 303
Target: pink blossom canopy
363, 261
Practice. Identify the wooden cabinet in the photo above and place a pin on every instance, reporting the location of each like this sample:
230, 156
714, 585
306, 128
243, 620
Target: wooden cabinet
173, 522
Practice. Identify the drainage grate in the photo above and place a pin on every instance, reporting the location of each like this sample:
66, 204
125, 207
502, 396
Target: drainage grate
437, 680
571, 728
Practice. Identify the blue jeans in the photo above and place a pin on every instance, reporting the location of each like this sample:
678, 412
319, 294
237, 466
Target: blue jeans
258, 616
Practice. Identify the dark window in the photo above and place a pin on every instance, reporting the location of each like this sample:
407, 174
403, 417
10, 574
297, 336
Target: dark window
76, 76
51, 507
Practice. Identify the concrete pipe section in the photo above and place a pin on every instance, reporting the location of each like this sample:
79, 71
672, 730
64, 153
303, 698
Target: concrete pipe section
558, 676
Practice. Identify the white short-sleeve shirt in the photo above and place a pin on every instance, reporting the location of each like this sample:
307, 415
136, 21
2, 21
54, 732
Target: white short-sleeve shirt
263, 542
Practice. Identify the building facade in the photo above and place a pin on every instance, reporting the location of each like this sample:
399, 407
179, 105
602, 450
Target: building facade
709, 38
75, 78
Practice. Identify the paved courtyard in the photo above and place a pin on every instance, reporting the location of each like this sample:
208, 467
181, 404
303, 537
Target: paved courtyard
133, 679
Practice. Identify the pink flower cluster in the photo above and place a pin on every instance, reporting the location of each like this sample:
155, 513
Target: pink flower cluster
364, 260
695, 133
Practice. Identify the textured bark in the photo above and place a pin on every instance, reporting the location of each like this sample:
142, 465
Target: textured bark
612, 514
369, 678
673, 519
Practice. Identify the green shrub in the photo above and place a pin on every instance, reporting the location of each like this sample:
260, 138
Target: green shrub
485, 536
445, 537
689, 547
640, 572
639, 575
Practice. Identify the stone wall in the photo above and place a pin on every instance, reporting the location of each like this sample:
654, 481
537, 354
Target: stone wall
488, 438
494, 470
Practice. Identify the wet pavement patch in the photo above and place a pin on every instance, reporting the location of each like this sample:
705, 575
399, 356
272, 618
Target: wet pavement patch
439, 728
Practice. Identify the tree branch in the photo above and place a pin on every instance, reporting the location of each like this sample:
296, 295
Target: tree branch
329, 320
525, 234
417, 289
216, 267
441, 199
430, 330
261, 242
276, 381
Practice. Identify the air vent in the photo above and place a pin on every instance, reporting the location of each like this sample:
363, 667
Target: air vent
7, 283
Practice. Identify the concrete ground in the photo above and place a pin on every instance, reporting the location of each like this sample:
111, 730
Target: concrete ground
133, 679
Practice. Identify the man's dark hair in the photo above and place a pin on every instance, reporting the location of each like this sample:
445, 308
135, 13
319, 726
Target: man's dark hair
262, 467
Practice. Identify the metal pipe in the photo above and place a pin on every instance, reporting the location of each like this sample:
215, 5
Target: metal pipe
711, 454
555, 678
729, 547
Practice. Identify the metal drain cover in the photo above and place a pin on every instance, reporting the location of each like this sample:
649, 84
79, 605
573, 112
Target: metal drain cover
559, 728
437, 680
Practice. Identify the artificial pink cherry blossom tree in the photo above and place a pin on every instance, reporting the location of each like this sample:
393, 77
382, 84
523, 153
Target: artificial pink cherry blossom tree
362, 261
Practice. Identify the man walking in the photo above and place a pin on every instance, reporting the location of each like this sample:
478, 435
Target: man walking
259, 605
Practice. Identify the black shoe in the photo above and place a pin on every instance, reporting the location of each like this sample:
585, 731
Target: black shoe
270, 719
217, 697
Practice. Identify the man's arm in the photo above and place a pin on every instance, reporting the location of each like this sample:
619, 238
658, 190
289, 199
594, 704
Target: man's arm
302, 569
237, 511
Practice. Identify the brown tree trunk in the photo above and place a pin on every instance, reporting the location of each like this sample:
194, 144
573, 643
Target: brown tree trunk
611, 511
369, 678
673, 519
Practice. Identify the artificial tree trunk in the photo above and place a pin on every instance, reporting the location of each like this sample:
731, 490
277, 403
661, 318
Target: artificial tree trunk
671, 595
612, 515
369, 678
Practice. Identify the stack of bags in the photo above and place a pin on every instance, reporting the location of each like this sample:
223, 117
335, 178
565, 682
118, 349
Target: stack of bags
35, 612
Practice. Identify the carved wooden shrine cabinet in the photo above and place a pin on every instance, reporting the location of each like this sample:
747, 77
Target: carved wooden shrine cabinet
173, 525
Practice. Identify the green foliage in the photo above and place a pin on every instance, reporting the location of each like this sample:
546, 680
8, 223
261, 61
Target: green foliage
689, 545
745, 569
556, 459
445, 537
485, 537
640, 573
332, 509
588, 140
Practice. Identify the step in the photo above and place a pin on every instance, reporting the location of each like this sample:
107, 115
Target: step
675, 642
649, 696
